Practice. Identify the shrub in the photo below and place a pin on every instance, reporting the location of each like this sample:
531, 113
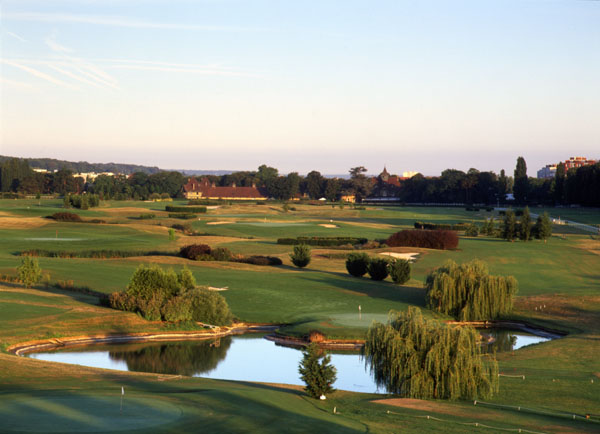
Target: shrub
186, 209
29, 271
301, 255
316, 336
186, 279
186, 228
430, 239
182, 216
171, 234
418, 358
472, 230
322, 241
400, 271
147, 216
122, 301
153, 282
150, 308
259, 260
378, 268
208, 307
196, 252
177, 309
316, 371
357, 264
441, 226
221, 254
65, 217
542, 228
468, 292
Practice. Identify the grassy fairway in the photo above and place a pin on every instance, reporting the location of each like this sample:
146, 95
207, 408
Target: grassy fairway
558, 283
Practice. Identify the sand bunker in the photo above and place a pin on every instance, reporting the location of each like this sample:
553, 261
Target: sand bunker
411, 257
328, 225
220, 223
214, 288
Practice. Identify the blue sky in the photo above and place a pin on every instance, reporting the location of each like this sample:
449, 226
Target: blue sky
301, 85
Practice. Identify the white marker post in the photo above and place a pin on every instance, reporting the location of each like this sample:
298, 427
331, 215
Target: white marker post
359, 312
122, 394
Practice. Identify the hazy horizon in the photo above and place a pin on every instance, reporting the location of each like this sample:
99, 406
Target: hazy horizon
300, 86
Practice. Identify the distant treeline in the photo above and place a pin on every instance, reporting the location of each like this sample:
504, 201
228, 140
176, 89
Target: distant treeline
52, 164
579, 186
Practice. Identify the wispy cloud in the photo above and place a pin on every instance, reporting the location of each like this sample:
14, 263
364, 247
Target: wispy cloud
37, 73
149, 65
15, 84
55, 46
115, 21
14, 35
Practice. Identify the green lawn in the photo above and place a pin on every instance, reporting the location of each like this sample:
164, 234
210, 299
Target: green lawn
558, 283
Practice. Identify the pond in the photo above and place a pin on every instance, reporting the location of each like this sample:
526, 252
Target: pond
247, 357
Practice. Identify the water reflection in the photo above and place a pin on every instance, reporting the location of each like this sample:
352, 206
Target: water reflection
502, 340
176, 358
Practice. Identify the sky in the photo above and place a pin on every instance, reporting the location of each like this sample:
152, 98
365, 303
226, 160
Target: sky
420, 85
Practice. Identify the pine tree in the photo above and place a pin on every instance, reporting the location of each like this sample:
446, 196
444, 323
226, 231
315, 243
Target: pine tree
419, 358
525, 227
509, 227
316, 371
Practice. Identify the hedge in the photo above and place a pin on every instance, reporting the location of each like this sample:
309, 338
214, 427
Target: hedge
186, 209
432, 239
322, 241
442, 226
181, 215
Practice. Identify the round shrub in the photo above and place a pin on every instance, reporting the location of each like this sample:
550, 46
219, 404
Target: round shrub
122, 301
221, 254
177, 309
357, 264
400, 271
301, 255
196, 252
378, 268
208, 307
472, 230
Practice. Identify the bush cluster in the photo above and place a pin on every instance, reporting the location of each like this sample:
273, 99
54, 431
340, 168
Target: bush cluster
301, 255
65, 217
182, 215
203, 252
164, 295
430, 239
82, 201
359, 264
95, 254
442, 226
258, 260
322, 241
147, 216
186, 209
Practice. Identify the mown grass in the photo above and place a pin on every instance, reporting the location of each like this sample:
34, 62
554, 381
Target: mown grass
558, 288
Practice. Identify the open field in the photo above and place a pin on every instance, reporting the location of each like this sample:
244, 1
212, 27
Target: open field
558, 288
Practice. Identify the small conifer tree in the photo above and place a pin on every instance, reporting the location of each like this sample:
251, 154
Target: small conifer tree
525, 227
301, 255
29, 271
509, 227
357, 264
316, 371
400, 271
543, 227
378, 268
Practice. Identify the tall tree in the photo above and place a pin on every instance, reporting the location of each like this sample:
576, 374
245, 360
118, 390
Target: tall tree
502, 186
314, 185
509, 226
543, 227
521, 187
361, 185
559, 183
525, 226
316, 371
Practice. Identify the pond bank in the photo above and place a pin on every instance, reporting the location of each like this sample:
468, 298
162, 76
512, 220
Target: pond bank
216, 332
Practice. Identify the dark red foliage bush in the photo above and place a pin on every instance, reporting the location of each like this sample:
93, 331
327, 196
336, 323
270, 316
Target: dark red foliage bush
196, 252
428, 239
65, 217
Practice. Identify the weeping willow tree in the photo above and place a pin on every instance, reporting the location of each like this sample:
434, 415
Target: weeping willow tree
468, 292
419, 358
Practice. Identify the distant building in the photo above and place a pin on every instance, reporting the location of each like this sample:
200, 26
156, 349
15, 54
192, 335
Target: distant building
204, 189
547, 172
90, 176
409, 174
572, 163
386, 185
